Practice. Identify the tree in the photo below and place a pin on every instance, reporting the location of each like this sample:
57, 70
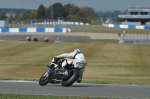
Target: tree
33, 15
49, 12
67, 9
3, 16
26, 15
74, 13
74, 17
19, 16
75, 10
111, 15
58, 10
88, 12
41, 12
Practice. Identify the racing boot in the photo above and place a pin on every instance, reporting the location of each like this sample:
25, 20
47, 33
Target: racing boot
79, 80
80, 76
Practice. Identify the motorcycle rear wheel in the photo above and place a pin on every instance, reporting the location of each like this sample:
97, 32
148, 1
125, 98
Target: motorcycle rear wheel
72, 77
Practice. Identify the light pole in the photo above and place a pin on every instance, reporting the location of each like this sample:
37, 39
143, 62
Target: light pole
52, 12
124, 36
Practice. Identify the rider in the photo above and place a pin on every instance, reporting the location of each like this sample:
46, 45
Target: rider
77, 56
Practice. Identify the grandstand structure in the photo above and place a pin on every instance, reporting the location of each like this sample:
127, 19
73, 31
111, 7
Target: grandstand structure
136, 16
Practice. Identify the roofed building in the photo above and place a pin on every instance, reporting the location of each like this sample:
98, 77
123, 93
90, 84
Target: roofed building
136, 16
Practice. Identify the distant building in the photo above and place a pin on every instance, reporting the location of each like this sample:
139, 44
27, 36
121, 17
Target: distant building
4, 24
136, 16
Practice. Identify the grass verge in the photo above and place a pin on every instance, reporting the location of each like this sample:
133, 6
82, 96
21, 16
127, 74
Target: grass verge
108, 61
15, 96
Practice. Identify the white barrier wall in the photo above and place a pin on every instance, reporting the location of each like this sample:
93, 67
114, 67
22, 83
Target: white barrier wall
49, 29
76, 23
64, 30
31, 29
13, 30
81, 24
123, 26
146, 27
110, 25
42, 29
139, 27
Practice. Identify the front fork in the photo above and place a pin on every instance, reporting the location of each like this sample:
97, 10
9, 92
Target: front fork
51, 67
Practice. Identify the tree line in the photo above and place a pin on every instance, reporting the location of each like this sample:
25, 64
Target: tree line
69, 12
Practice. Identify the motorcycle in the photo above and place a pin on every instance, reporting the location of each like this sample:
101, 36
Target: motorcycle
56, 75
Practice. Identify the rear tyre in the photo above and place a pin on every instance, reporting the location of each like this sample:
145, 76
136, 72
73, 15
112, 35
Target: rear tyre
71, 78
44, 79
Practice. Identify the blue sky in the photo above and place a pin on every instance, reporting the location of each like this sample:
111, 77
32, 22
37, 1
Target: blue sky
98, 5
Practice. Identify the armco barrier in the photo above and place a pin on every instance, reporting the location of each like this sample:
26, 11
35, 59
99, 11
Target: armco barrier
127, 26
20, 30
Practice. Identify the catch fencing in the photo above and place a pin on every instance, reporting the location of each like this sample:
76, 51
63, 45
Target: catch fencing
43, 23
134, 38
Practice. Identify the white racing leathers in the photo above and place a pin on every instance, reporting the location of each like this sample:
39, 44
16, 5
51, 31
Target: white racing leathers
78, 60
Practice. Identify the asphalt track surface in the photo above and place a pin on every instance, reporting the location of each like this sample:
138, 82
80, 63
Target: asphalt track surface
77, 89
93, 36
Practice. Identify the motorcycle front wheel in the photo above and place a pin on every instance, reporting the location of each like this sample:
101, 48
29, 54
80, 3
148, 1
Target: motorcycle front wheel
44, 79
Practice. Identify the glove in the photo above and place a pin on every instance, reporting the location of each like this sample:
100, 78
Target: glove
56, 58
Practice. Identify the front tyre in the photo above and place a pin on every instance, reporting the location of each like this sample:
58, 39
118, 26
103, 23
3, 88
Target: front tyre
72, 77
44, 79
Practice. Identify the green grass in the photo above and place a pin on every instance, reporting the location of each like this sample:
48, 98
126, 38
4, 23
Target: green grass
108, 61
15, 96
104, 29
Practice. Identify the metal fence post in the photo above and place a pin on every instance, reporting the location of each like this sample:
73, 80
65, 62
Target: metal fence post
31, 23
124, 36
22, 23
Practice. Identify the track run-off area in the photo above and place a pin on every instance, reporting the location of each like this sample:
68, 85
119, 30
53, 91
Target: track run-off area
77, 89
